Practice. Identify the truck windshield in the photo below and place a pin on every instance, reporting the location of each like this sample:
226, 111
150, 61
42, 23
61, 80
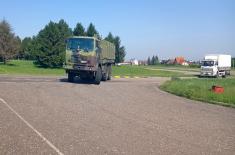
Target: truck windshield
208, 63
85, 44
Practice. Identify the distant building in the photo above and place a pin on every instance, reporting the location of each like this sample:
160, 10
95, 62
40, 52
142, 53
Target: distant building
170, 62
179, 60
123, 63
143, 62
185, 63
134, 62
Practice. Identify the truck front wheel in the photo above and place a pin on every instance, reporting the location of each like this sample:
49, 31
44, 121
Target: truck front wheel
98, 76
71, 77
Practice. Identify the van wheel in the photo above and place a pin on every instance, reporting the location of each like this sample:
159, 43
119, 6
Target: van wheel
98, 76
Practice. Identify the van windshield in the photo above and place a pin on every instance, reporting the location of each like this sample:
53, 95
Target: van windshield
208, 63
85, 44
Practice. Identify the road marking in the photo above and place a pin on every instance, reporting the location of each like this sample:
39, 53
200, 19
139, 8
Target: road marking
129, 77
30, 126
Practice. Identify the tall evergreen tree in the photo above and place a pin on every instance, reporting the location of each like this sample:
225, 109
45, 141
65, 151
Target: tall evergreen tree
64, 29
9, 43
50, 44
120, 51
91, 31
153, 60
122, 54
149, 61
117, 43
110, 37
156, 60
26, 49
79, 30
233, 62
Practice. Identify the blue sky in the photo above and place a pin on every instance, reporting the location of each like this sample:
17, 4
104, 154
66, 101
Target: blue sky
167, 28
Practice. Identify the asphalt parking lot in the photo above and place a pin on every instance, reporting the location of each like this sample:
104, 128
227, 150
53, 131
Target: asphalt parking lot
47, 115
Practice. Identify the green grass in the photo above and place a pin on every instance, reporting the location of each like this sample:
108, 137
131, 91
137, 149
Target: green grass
200, 89
174, 67
21, 67
141, 71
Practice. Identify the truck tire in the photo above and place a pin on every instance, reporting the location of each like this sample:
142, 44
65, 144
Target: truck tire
224, 76
98, 76
217, 75
227, 72
109, 72
105, 75
70, 77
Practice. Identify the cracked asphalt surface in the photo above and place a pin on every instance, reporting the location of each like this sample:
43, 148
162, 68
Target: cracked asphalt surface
122, 116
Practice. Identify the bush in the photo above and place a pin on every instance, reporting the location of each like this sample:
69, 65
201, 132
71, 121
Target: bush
194, 66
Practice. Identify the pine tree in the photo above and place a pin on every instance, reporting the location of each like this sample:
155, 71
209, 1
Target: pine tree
50, 44
120, 51
156, 60
79, 30
153, 60
110, 37
149, 61
25, 48
91, 31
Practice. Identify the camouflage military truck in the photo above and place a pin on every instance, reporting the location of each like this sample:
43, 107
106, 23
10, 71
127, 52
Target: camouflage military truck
89, 58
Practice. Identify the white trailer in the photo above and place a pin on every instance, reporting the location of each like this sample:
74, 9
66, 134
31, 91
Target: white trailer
216, 65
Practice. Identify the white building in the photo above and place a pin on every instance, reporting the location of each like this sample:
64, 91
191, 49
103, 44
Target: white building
134, 62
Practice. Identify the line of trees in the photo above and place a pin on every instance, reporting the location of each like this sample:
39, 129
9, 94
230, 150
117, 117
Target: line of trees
153, 61
47, 48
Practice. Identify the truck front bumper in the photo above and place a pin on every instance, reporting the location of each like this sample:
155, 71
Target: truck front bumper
80, 68
207, 73
84, 68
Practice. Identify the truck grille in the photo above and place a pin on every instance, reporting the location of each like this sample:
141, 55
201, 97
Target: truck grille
74, 58
207, 69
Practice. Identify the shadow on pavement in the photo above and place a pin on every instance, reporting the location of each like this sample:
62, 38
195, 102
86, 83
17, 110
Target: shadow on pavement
78, 81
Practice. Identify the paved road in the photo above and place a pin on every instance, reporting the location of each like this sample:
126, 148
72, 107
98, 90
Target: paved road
194, 72
124, 116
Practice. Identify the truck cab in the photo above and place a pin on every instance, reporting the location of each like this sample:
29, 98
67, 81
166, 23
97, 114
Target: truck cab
81, 53
209, 68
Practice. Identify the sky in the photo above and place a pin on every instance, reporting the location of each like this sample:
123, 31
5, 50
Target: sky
166, 28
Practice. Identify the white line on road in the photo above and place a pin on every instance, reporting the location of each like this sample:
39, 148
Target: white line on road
30, 126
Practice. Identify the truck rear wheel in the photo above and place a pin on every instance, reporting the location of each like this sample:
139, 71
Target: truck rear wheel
109, 72
71, 77
105, 75
98, 76
224, 75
